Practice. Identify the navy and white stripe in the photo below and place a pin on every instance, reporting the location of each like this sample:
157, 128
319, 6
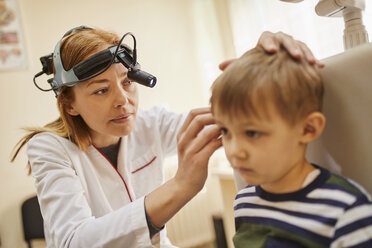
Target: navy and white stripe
331, 211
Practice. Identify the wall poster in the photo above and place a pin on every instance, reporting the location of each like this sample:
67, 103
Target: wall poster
12, 49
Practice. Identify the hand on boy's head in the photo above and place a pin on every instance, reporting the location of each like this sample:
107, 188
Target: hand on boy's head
225, 64
271, 42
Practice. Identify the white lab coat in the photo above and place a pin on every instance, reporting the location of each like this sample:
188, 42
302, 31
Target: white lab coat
85, 202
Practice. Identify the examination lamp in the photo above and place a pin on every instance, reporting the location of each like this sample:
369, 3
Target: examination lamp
355, 32
92, 66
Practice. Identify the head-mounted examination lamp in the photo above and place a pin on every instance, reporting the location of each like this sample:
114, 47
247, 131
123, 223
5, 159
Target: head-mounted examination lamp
92, 66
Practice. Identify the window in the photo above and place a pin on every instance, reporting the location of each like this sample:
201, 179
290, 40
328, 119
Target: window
323, 35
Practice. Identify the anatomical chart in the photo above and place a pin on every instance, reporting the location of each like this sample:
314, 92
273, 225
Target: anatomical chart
12, 51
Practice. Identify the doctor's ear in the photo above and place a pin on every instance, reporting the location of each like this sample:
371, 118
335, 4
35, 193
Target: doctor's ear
71, 110
313, 127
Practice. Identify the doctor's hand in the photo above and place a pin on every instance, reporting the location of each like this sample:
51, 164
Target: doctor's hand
197, 141
272, 42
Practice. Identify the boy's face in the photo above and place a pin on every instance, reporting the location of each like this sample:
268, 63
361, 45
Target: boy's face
265, 151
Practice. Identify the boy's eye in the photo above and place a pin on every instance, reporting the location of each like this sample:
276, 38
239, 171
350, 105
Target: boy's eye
253, 134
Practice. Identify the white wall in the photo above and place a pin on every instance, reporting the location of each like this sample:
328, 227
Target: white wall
167, 32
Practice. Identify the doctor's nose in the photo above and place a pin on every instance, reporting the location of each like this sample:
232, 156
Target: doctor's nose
121, 97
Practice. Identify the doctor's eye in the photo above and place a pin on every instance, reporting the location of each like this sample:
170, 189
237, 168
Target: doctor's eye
100, 91
127, 82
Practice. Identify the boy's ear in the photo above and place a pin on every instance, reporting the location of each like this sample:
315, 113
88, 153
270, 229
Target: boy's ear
313, 127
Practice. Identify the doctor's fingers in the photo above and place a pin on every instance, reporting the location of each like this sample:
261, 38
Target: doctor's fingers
271, 43
193, 128
194, 123
225, 64
193, 161
209, 149
205, 142
309, 55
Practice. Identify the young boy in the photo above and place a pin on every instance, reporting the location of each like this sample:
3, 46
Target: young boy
268, 107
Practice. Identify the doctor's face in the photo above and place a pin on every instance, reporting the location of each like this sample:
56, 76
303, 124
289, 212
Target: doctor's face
108, 104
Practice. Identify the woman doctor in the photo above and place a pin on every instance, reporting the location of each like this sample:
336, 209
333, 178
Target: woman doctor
98, 167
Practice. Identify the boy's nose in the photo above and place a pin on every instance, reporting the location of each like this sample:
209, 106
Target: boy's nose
236, 149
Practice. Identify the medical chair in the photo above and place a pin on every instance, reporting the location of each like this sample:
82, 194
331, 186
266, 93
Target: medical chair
345, 146
32, 220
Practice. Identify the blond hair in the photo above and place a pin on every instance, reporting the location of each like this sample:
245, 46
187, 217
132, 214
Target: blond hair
74, 49
293, 86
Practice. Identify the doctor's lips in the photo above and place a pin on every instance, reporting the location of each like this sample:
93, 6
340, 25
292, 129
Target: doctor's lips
122, 118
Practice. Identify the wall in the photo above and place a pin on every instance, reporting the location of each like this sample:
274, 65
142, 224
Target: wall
167, 33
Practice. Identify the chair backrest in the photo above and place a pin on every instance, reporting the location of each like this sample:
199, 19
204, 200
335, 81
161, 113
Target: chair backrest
346, 140
32, 220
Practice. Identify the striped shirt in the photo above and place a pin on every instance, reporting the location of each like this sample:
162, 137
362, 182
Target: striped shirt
331, 211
